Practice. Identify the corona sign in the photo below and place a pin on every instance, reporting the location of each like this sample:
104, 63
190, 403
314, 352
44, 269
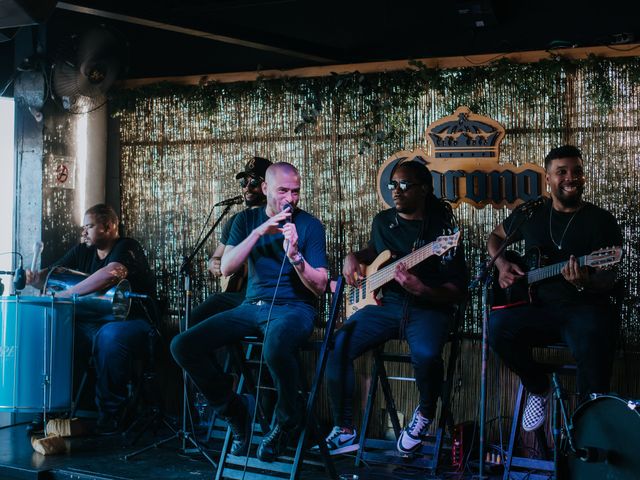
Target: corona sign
465, 165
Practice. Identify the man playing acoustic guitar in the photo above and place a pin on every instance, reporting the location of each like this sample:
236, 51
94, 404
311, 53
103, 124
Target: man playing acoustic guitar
234, 287
573, 305
416, 306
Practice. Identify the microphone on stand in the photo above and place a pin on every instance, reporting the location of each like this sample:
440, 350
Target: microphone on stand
140, 296
230, 201
531, 206
38, 246
19, 278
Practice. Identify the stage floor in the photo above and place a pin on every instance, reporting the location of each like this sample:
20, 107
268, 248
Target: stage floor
96, 457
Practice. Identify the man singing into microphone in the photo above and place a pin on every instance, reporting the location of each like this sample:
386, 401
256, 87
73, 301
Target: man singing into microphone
285, 248
234, 287
116, 346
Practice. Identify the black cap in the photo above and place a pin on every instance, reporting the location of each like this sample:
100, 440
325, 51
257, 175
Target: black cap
256, 167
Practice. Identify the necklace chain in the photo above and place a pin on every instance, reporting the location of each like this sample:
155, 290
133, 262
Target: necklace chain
559, 244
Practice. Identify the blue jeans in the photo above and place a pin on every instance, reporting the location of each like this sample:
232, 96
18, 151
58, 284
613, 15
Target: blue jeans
426, 332
118, 347
289, 327
589, 331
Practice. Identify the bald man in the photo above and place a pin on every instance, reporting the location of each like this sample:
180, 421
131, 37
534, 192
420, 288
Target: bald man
286, 251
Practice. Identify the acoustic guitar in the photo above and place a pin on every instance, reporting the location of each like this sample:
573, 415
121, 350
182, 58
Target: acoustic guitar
235, 281
380, 272
523, 291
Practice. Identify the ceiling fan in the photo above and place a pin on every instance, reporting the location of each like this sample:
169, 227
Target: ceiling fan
86, 67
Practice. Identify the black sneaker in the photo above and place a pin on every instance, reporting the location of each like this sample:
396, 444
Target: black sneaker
273, 444
241, 425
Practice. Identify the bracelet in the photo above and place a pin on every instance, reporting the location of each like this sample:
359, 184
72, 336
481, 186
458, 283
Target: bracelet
298, 260
580, 288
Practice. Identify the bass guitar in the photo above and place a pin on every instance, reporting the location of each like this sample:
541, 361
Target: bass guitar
380, 272
523, 291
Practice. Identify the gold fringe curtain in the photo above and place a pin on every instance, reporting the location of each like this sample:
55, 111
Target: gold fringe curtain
179, 155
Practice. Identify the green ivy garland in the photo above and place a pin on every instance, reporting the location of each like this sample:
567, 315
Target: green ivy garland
385, 96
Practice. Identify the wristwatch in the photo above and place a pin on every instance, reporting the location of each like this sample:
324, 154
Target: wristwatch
297, 260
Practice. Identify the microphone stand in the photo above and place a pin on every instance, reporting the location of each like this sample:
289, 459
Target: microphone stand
484, 280
185, 273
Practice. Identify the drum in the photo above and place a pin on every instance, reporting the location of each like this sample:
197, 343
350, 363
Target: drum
607, 433
113, 304
36, 353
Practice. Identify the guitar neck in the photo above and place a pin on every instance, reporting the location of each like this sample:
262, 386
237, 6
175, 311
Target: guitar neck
549, 271
387, 273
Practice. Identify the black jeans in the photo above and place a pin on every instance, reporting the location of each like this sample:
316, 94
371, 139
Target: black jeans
590, 331
214, 304
426, 332
289, 327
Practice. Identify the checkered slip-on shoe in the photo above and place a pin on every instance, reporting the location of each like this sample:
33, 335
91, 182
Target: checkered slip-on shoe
534, 412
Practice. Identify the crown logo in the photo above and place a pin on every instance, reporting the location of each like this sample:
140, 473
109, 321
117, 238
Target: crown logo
465, 135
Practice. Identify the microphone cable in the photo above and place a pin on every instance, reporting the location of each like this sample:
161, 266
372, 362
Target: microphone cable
264, 338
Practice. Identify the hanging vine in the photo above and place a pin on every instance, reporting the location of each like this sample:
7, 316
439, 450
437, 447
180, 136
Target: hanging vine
384, 95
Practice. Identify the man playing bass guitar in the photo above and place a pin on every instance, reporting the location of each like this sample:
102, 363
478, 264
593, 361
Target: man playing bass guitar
416, 304
572, 306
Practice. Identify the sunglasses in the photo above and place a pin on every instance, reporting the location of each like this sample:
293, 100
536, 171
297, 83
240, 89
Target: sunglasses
403, 184
251, 182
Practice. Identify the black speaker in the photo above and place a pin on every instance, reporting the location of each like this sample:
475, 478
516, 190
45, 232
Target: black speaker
16, 13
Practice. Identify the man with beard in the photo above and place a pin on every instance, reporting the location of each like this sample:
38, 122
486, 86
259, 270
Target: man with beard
285, 249
251, 179
417, 306
116, 347
573, 307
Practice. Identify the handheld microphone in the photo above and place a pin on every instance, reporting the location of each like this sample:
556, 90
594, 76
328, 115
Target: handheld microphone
230, 201
140, 296
37, 251
284, 207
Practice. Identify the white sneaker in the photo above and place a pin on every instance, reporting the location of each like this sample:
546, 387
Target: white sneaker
342, 440
413, 434
534, 412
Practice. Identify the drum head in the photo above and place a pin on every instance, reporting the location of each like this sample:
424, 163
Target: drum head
609, 428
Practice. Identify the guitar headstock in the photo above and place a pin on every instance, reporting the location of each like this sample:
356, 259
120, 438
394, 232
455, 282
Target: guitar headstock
604, 257
445, 243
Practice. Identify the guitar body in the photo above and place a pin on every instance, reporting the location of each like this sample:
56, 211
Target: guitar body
534, 264
520, 293
371, 298
235, 281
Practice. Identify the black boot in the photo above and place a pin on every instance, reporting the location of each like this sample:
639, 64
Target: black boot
273, 444
240, 419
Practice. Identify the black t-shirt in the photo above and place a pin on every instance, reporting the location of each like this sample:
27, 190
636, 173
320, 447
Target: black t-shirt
389, 231
226, 229
267, 255
578, 233
126, 251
